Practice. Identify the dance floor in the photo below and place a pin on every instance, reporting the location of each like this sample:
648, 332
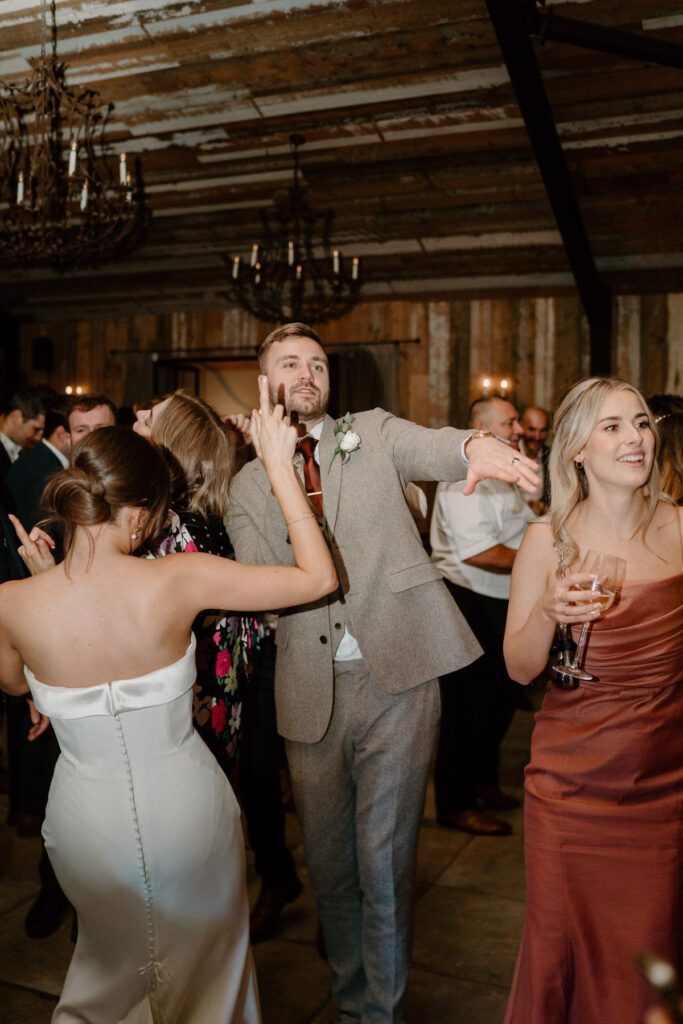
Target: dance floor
470, 903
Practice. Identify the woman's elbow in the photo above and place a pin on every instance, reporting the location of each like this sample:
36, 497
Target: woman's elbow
518, 671
330, 584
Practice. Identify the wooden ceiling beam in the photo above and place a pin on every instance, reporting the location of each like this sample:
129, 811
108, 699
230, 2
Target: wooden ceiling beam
508, 19
547, 24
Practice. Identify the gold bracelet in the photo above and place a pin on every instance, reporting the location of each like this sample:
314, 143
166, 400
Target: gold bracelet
297, 519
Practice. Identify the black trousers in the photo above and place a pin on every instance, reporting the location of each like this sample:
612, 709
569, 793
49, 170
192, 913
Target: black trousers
477, 705
262, 755
31, 767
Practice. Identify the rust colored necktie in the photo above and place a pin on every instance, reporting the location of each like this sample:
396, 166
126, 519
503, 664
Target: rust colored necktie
307, 446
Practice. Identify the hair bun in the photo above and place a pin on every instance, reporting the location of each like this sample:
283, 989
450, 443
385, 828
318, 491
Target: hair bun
77, 498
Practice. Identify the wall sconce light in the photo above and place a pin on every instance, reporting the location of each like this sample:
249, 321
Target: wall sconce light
71, 390
496, 387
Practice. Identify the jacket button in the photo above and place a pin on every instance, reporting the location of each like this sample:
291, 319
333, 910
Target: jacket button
323, 639
337, 625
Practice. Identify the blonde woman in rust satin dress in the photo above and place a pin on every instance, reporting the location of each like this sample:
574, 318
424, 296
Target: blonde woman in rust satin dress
604, 787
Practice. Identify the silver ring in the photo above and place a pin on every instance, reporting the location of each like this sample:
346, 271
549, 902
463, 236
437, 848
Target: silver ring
515, 460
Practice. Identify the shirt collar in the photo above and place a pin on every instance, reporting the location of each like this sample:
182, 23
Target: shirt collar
316, 431
55, 451
12, 449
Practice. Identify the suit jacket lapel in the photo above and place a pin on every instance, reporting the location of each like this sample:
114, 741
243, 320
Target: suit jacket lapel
330, 472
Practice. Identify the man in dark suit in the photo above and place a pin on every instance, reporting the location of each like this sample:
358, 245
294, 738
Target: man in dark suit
28, 475
32, 763
356, 690
22, 421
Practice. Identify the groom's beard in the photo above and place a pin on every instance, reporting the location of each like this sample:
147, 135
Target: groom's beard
307, 407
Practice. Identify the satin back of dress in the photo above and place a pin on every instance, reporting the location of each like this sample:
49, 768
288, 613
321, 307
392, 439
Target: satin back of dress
144, 833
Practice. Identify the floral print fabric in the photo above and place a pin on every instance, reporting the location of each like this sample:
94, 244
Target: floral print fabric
225, 644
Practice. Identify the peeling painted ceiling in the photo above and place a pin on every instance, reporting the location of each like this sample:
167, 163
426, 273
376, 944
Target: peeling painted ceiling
413, 134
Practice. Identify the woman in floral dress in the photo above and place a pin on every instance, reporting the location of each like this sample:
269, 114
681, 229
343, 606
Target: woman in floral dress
200, 451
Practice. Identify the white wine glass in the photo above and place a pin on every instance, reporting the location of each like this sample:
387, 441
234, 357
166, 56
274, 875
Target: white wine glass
606, 575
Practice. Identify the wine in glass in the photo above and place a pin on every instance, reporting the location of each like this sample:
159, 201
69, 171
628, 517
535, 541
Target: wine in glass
606, 576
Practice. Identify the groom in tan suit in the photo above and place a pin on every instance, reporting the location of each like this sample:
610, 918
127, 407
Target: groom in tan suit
356, 679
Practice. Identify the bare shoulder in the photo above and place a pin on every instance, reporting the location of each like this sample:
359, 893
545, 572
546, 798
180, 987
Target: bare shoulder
13, 595
538, 538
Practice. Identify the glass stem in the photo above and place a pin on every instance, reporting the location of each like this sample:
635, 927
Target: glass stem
580, 646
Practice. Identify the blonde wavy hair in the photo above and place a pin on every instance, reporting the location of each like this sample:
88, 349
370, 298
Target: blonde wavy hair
201, 453
574, 423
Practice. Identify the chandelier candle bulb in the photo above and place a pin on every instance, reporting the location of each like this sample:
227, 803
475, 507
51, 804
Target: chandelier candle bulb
20, 187
335, 261
299, 272
73, 154
504, 385
84, 195
257, 274
485, 386
254, 255
290, 253
235, 267
129, 188
122, 169
355, 267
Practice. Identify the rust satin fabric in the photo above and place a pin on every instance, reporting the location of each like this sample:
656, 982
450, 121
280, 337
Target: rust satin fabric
603, 821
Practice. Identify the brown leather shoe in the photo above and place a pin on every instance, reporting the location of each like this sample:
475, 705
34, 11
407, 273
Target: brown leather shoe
265, 916
477, 823
493, 796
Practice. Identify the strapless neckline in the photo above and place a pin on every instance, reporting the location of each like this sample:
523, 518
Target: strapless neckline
653, 582
159, 686
189, 650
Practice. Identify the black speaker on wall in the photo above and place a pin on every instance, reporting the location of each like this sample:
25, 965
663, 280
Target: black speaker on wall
42, 354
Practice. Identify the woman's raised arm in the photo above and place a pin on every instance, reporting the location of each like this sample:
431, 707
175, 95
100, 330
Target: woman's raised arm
219, 583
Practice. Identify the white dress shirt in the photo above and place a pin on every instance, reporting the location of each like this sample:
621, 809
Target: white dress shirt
464, 526
12, 449
348, 649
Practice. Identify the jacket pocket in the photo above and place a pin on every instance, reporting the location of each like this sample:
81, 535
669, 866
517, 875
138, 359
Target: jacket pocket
412, 576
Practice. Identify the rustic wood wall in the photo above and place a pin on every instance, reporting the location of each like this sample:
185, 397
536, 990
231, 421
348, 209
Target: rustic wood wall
539, 344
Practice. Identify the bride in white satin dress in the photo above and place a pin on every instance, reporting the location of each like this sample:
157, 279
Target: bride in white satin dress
142, 827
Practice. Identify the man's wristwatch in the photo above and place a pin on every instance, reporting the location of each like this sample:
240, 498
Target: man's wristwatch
474, 434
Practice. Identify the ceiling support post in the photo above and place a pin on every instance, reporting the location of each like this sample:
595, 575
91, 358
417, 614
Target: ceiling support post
509, 18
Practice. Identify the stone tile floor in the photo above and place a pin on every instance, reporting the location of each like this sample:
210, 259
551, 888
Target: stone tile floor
468, 916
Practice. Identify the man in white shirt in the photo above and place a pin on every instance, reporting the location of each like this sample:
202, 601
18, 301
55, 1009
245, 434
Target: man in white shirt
474, 541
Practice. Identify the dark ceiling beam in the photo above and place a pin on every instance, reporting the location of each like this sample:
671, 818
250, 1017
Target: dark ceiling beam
510, 25
545, 23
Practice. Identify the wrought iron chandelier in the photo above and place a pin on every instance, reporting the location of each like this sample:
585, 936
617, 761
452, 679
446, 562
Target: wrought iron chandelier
294, 274
66, 205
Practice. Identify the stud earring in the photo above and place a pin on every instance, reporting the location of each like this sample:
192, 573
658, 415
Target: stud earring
578, 463
134, 535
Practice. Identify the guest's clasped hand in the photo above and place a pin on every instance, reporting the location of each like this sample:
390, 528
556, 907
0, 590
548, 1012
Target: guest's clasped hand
36, 548
272, 433
490, 459
565, 603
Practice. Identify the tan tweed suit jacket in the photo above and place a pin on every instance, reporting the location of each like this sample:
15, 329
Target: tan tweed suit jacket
391, 597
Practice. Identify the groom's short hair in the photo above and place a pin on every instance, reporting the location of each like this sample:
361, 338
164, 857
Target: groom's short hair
280, 334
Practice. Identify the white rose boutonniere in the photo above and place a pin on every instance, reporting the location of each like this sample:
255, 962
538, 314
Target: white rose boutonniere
348, 441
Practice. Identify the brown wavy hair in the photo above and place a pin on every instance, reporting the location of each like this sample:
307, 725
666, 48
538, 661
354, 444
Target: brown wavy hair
201, 453
112, 469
